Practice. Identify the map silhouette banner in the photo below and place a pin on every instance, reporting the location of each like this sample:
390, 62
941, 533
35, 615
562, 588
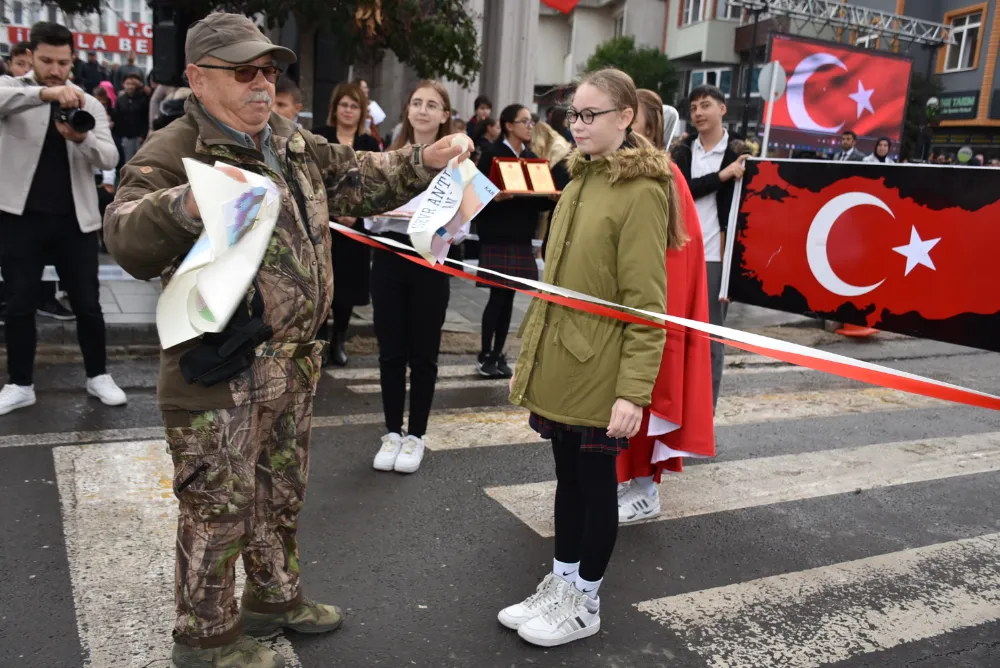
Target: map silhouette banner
902, 248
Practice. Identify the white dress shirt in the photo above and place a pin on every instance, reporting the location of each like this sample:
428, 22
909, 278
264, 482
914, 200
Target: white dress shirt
704, 163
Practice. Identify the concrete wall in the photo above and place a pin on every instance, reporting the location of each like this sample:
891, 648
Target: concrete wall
706, 41
554, 37
510, 49
644, 19
590, 28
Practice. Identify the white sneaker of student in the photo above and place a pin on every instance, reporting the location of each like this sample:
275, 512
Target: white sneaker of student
385, 460
13, 397
547, 595
570, 620
635, 505
411, 455
104, 388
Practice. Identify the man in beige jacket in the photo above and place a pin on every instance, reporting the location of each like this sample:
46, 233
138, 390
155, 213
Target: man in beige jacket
48, 207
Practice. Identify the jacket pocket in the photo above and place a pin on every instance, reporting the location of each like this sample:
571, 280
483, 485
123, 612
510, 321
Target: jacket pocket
575, 342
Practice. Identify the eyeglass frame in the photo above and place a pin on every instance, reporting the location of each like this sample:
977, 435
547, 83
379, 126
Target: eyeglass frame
579, 114
258, 69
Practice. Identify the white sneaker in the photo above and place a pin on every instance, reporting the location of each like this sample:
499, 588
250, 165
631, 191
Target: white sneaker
13, 397
411, 455
635, 505
385, 460
104, 388
568, 621
547, 595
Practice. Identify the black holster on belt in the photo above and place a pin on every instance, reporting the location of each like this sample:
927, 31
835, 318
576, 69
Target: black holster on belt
223, 356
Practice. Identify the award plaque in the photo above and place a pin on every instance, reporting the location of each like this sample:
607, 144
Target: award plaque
512, 176
541, 177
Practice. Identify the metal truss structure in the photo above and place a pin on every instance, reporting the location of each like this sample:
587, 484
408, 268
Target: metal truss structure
834, 13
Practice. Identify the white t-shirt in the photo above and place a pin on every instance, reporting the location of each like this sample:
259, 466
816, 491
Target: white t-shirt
703, 163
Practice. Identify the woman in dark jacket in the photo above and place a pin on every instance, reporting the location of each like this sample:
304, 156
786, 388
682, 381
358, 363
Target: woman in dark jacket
351, 259
506, 228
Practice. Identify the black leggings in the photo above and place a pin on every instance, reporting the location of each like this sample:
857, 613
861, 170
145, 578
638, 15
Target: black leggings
496, 319
586, 506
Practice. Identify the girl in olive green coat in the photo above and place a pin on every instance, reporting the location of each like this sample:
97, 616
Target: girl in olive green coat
586, 378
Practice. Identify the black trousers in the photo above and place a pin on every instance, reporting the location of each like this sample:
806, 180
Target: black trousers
409, 303
496, 320
26, 242
586, 512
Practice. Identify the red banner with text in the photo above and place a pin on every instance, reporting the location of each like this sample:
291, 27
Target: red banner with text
132, 37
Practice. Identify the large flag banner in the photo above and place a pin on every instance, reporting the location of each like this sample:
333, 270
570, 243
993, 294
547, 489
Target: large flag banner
833, 88
907, 249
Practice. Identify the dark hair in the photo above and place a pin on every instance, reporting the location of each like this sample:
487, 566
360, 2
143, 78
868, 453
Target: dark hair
483, 100
354, 92
883, 139
53, 34
286, 85
849, 133
20, 49
700, 92
509, 115
132, 75
558, 118
482, 127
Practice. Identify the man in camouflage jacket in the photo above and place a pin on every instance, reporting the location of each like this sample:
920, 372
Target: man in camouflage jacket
240, 447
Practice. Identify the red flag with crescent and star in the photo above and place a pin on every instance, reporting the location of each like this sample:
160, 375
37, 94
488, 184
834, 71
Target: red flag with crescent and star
832, 88
564, 6
909, 249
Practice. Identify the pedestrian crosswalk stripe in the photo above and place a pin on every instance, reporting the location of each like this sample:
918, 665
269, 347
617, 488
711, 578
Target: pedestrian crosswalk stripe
748, 483
447, 384
449, 429
120, 520
829, 614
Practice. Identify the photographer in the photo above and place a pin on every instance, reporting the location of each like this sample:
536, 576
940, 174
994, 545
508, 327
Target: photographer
52, 138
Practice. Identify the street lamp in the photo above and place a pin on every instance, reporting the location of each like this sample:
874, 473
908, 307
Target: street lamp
931, 111
756, 10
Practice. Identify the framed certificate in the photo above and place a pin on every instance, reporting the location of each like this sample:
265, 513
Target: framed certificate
512, 175
541, 177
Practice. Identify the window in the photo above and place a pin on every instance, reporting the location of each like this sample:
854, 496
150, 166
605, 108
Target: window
731, 11
693, 11
19, 13
51, 11
868, 42
620, 25
721, 78
754, 89
964, 53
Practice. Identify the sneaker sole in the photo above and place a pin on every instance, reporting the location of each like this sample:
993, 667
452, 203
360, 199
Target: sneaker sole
53, 316
272, 632
508, 622
555, 642
11, 409
384, 467
407, 468
106, 403
639, 517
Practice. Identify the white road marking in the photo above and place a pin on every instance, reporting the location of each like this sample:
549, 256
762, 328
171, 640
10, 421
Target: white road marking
447, 384
120, 520
748, 483
829, 614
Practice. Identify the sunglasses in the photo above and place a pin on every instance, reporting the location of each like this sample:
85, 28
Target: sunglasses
246, 73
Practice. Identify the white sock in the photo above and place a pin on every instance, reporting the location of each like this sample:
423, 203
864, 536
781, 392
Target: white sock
566, 571
647, 485
587, 587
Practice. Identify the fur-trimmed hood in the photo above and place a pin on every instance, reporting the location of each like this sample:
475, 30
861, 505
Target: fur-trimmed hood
626, 164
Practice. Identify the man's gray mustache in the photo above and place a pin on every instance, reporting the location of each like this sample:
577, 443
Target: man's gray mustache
259, 96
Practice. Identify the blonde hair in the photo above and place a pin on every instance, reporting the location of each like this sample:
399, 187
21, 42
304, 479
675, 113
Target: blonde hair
354, 92
652, 109
406, 132
620, 87
549, 144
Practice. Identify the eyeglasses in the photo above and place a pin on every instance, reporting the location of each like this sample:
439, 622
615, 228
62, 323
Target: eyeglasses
587, 115
349, 106
528, 123
247, 73
430, 105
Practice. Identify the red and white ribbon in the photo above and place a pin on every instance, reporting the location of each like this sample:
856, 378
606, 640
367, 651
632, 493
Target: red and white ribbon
793, 353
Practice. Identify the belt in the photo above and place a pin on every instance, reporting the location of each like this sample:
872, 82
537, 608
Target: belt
274, 349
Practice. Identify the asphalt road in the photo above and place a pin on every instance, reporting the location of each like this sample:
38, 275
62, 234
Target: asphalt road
840, 526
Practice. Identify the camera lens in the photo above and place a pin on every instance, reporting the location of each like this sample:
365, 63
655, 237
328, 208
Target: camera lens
80, 120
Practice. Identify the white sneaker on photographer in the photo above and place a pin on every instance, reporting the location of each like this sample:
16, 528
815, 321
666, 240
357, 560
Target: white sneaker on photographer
104, 388
411, 454
13, 397
385, 459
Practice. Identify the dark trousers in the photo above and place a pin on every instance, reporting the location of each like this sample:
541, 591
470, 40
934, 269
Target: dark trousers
586, 513
26, 242
716, 316
409, 303
496, 320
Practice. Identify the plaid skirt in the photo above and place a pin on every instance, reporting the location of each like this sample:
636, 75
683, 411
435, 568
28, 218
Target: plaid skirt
592, 439
513, 260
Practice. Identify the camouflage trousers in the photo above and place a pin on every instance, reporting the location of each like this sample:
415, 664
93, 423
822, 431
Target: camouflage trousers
240, 476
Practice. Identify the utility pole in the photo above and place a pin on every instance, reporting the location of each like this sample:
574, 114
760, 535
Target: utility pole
756, 11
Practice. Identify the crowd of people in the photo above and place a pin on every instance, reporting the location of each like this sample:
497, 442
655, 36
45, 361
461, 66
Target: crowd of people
637, 222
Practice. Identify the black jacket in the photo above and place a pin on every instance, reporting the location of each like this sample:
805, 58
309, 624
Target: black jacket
513, 221
132, 115
710, 183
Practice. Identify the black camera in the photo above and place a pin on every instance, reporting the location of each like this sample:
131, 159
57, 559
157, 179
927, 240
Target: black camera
78, 119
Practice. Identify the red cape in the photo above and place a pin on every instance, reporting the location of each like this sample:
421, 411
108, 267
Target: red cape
683, 390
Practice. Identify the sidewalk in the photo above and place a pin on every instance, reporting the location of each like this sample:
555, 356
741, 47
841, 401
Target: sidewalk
130, 312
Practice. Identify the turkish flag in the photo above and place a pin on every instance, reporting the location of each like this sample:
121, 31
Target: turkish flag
832, 88
909, 249
564, 6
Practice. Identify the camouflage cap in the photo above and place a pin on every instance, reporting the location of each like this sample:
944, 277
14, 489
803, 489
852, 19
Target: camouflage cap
232, 38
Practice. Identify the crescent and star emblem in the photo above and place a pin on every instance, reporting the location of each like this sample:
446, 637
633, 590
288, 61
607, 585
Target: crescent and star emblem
797, 109
917, 252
